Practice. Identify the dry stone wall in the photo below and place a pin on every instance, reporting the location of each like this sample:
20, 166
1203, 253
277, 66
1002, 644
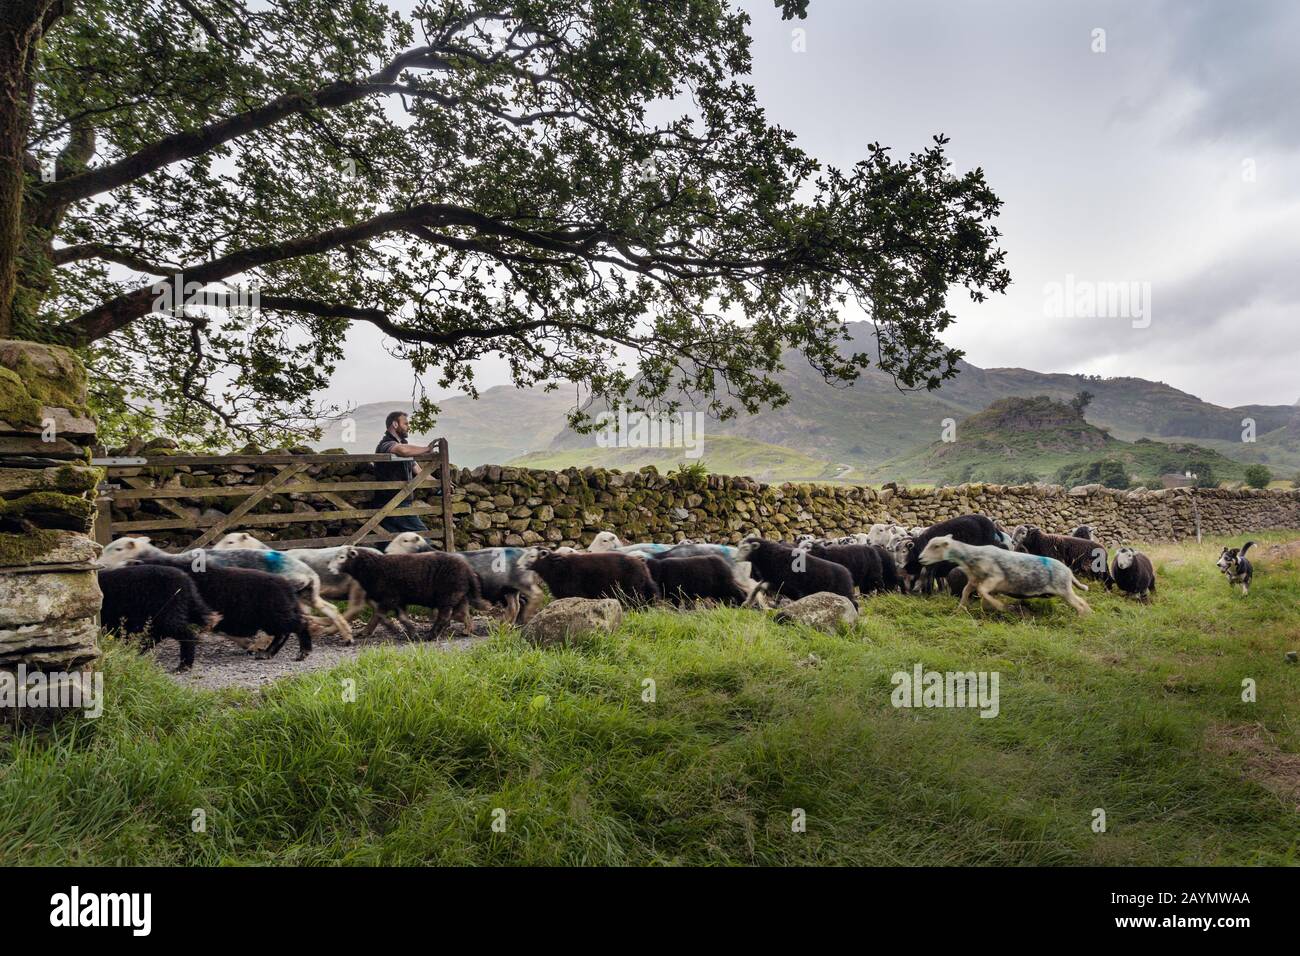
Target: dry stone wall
49, 595
503, 505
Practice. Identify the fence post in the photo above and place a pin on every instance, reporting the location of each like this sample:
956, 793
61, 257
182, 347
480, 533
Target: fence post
444, 478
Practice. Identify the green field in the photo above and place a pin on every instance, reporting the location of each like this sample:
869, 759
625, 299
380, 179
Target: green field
1135, 710
721, 455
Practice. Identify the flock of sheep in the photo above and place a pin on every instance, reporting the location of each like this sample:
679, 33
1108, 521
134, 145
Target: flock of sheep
244, 589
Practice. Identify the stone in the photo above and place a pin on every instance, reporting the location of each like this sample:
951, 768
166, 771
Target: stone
823, 611
49, 596
567, 618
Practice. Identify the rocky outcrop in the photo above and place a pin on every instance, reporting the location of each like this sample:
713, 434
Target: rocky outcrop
49, 596
567, 618
822, 611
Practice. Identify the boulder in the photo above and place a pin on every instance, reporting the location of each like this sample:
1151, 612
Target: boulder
567, 618
823, 611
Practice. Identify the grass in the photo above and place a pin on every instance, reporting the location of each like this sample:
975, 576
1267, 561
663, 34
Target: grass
751, 720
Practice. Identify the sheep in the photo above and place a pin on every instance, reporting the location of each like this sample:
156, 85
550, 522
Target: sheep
438, 580
305, 581
156, 602
992, 570
501, 578
888, 568
972, 529
249, 601
506, 582
605, 541
899, 546
1083, 531
592, 575
1082, 556
332, 586
740, 570
408, 542
681, 580
1132, 573
794, 573
862, 561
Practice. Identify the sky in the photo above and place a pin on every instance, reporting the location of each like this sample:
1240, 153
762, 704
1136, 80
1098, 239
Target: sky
1151, 146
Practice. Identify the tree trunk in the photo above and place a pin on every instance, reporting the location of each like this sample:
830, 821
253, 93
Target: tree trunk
22, 24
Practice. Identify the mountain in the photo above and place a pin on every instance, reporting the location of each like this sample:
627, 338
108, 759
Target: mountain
855, 429
502, 423
1019, 440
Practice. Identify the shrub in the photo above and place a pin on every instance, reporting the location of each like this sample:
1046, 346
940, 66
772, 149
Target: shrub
1258, 476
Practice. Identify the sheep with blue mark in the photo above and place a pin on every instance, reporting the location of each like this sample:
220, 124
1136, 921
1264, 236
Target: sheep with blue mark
304, 580
993, 570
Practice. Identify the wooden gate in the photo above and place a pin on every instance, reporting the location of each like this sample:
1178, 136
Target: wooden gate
124, 483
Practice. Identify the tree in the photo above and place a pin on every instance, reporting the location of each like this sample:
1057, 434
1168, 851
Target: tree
1258, 476
1081, 401
1109, 472
562, 182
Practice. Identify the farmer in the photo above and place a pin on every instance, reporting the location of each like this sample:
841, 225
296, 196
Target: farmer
396, 431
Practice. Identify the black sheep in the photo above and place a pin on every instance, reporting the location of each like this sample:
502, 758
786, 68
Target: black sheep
1132, 573
1083, 531
888, 569
862, 561
248, 601
1083, 556
594, 574
155, 602
794, 573
968, 529
703, 576
433, 579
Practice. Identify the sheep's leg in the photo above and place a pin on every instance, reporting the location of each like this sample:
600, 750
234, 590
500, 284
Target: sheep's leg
187, 643
512, 608
966, 592
462, 614
987, 598
356, 601
1076, 602
441, 621
375, 618
331, 612
408, 626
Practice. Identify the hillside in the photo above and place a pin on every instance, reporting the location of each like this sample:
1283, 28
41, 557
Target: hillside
871, 422
1032, 439
501, 424
724, 455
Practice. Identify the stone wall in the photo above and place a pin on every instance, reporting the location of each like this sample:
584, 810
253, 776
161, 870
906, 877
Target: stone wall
49, 595
495, 505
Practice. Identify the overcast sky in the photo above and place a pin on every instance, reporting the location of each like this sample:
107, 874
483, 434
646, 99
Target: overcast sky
1170, 160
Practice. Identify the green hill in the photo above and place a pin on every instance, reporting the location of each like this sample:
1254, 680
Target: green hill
1034, 439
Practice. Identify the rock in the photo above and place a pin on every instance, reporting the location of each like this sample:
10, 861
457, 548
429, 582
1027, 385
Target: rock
566, 618
57, 595
823, 611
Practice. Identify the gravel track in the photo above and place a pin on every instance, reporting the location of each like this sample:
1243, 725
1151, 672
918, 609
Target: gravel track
219, 662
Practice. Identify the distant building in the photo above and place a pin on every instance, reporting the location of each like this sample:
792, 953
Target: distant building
1185, 480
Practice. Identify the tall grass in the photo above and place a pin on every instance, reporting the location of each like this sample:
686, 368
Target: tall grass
750, 722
